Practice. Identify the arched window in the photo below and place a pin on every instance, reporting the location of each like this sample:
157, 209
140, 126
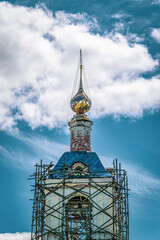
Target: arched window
79, 171
78, 216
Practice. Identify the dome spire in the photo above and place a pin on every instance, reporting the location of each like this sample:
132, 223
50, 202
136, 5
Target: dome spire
81, 66
80, 103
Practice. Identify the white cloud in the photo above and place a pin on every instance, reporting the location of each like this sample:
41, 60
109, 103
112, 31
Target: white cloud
141, 181
130, 98
3, 151
156, 2
39, 54
44, 147
39, 148
120, 15
156, 34
15, 236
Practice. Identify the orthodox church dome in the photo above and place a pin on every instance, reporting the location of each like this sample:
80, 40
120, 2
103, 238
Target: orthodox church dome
80, 103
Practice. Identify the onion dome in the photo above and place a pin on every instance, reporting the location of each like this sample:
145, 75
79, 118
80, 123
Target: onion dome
80, 103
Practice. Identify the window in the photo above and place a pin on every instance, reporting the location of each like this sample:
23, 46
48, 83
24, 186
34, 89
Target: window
78, 171
78, 212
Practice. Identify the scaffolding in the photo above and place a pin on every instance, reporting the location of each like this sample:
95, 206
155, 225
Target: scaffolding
76, 209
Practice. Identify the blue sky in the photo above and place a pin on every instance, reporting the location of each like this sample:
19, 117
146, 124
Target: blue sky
39, 51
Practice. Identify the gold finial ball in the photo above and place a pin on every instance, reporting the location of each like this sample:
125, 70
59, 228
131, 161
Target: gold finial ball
80, 103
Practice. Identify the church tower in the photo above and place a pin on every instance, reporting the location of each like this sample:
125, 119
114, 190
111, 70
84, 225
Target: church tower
80, 125
78, 198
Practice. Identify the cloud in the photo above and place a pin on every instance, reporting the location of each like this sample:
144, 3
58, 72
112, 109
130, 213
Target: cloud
43, 146
156, 34
4, 151
15, 236
39, 148
141, 182
38, 59
156, 2
120, 15
130, 98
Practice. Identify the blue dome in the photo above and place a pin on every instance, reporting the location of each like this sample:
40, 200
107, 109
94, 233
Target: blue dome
89, 159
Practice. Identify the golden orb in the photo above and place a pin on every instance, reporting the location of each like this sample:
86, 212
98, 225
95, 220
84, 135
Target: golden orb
80, 103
